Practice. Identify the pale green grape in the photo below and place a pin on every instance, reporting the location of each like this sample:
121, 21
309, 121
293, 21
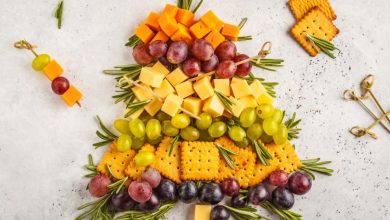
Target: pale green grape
237, 133
270, 126
40, 62
247, 117
122, 125
255, 131
162, 116
204, 136
155, 141
138, 142
265, 138
137, 128
153, 129
123, 143
217, 129
243, 143
264, 111
168, 129
280, 137
144, 158
205, 121
189, 133
181, 120
277, 115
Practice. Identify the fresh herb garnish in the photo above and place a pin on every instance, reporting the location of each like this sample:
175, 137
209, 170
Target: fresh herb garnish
244, 38
292, 127
246, 213
261, 152
283, 214
323, 45
226, 101
173, 144
91, 167
267, 64
226, 153
242, 23
106, 135
58, 13
269, 86
133, 41
314, 165
186, 4
135, 106
140, 215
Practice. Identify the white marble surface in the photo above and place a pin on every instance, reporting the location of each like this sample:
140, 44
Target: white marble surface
43, 144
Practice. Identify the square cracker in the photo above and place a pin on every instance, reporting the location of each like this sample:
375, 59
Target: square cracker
117, 161
199, 160
317, 24
286, 155
301, 7
168, 166
224, 170
261, 171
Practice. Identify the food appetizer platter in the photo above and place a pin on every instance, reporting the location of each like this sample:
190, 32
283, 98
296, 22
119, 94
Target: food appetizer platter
198, 127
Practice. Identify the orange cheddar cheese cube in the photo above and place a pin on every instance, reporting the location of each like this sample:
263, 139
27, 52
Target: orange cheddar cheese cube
218, 26
71, 96
177, 76
230, 31
168, 24
170, 10
210, 19
199, 29
53, 70
185, 17
160, 36
152, 21
215, 38
184, 89
144, 33
182, 34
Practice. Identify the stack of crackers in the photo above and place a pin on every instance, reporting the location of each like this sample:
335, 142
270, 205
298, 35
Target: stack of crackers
202, 161
314, 17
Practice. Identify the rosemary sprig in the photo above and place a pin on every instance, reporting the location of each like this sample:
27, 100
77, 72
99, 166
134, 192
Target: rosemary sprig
186, 4
246, 213
226, 155
173, 144
226, 101
58, 13
105, 134
267, 64
140, 215
314, 165
292, 127
323, 45
244, 38
133, 41
269, 86
261, 152
283, 214
242, 23
135, 106
91, 167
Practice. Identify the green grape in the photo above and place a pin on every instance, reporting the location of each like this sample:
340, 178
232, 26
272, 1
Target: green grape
217, 129
205, 121
153, 129
281, 135
181, 120
155, 141
168, 129
237, 133
264, 111
265, 138
123, 143
247, 117
40, 62
145, 117
162, 116
204, 136
277, 115
189, 133
270, 126
137, 128
255, 131
243, 143
138, 142
144, 158
122, 125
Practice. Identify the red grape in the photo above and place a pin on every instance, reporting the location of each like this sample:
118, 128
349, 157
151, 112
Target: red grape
152, 176
164, 61
202, 49
151, 205
258, 194
140, 191
299, 183
278, 178
59, 85
141, 54
226, 69
210, 65
122, 201
282, 198
158, 48
230, 186
245, 68
177, 52
227, 50
219, 213
98, 186
191, 67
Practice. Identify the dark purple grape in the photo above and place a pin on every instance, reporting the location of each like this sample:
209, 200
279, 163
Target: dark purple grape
202, 49
141, 54
166, 191
98, 186
59, 85
258, 194
140, 191
282, 198
177, 52
242, 69
210, 65
226, 69
122, 201
219, 213
151, 205
227, 50
187, 191
230, 186
152, 176
210, 193
278, 178
191, 67
158, 48
299, 183
239, 201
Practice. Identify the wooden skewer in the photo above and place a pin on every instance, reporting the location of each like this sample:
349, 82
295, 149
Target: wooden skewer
78, 103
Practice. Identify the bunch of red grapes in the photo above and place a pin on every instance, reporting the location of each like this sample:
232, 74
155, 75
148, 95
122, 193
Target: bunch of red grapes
196, 58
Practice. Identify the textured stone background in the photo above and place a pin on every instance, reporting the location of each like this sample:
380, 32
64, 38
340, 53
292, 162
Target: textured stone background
43, 144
